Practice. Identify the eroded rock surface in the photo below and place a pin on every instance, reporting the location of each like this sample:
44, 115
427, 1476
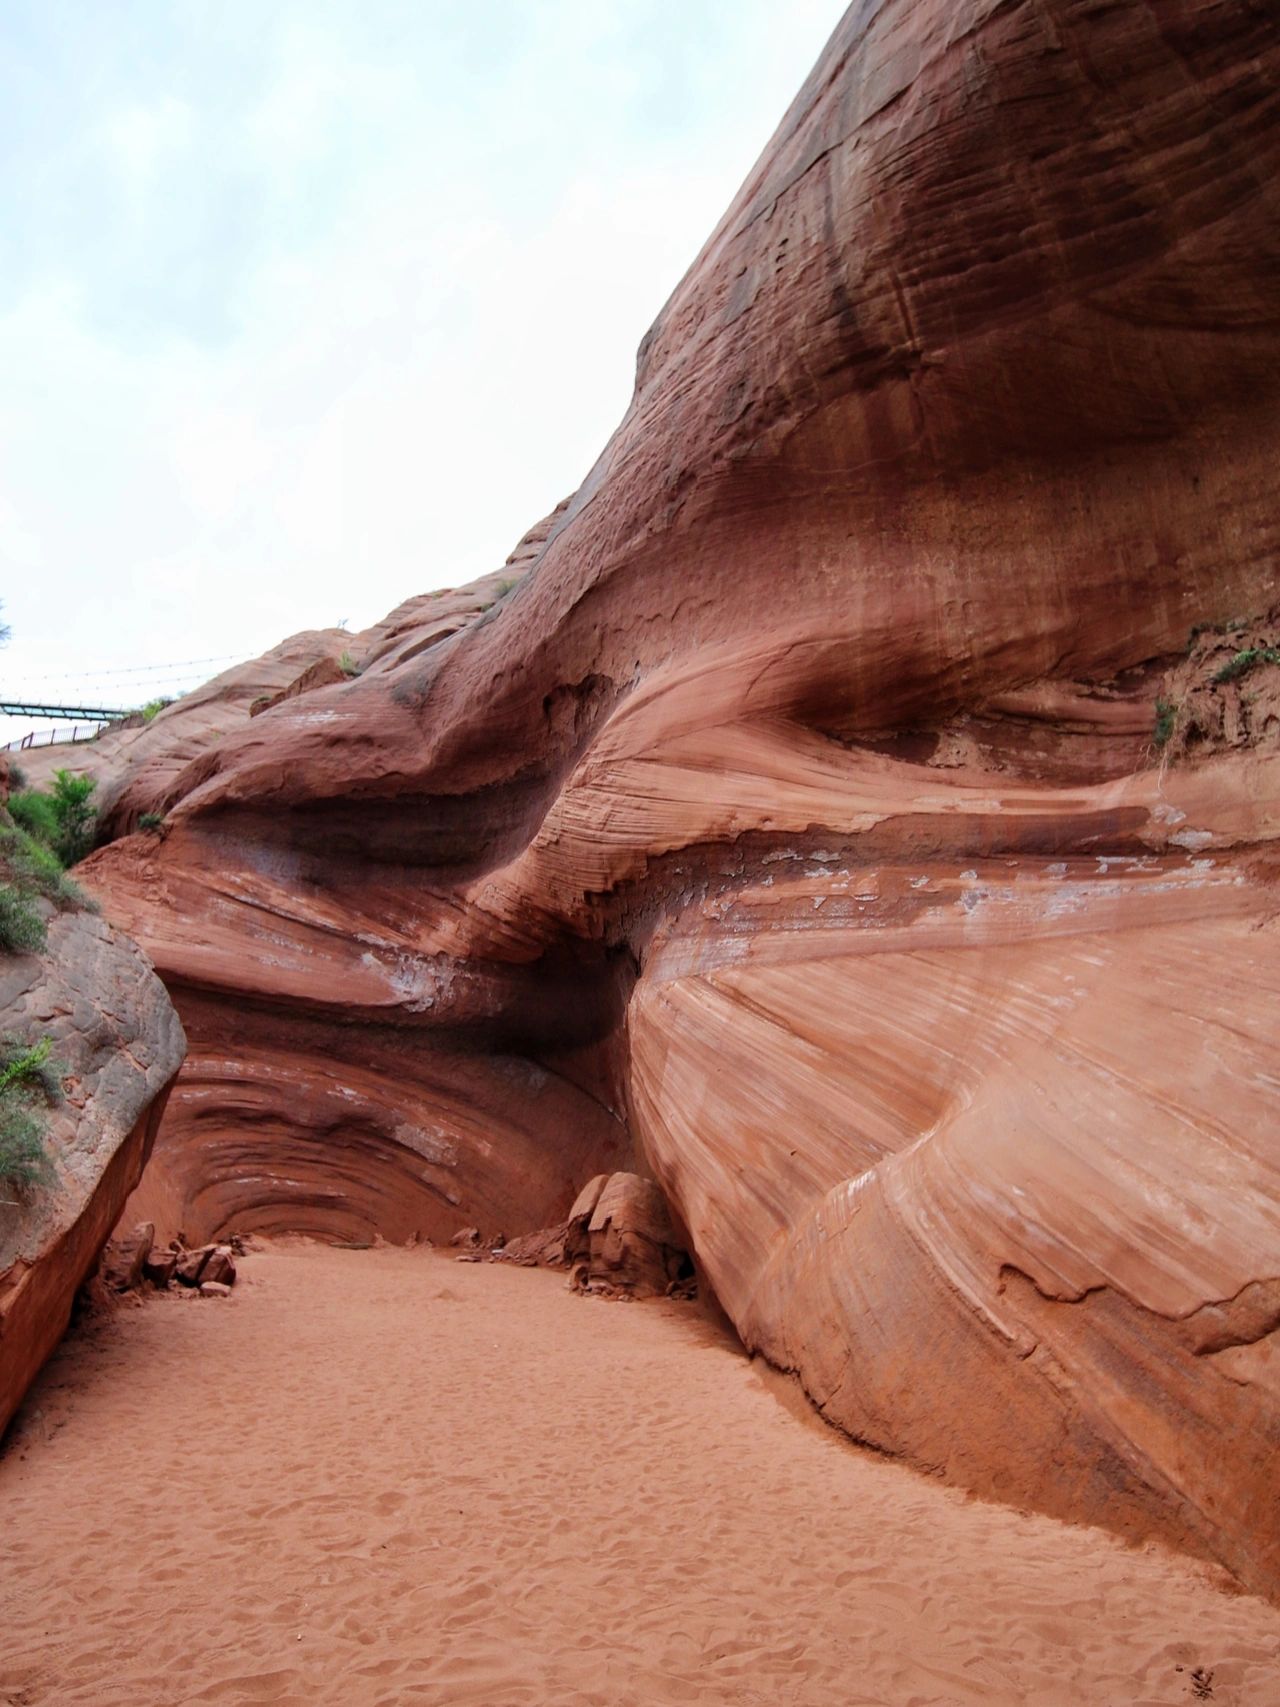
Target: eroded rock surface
135, 762
618, 1241
632, 1249
800, 821
117, 1043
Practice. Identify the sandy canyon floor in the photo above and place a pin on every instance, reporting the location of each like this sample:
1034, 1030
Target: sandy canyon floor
382, 1477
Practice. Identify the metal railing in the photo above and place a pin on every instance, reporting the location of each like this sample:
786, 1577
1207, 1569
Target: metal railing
97, 717
52, 737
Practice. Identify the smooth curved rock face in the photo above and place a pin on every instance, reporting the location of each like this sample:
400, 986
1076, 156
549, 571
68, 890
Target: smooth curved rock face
119, 1044
800, 816
136, 763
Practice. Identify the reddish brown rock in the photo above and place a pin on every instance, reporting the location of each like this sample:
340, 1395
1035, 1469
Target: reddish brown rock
219, 1266
136, 762
633, 1249
577, 1227
618, 1240
126, 1258
214, 1289
160, 1268
118, 1045
797, 830
324, 673
190, 1265
544, 1248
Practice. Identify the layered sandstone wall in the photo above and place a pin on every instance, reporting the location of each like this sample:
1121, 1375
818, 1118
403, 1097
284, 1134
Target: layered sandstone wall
800, 820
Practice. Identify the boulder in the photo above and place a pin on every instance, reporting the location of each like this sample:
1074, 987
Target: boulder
118, 1044
219, 1266
633, 1248
618, 1240
191, 1264
577, 1228
160, 1268
542, 1249
125, 1258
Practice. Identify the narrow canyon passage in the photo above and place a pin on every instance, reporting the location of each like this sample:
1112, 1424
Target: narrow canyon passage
381, 1477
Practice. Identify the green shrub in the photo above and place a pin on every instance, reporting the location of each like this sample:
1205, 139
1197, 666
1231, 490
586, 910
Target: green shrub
153, 707
75, 815
60, 819
35, 813
348, 665
151, 821
504, 587
22, 930
36, 869
32, 869
25, 1069
17, 777
1166, 718
30, 1065
23, 1161
1245, 661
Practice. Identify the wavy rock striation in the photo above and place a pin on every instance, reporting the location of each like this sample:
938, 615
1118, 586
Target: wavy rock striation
798, 824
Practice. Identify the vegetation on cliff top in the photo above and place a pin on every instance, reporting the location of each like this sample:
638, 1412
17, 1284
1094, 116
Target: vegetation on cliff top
61, 818
35, 834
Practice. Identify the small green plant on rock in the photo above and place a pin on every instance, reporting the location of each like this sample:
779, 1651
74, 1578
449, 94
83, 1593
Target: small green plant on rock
30, 1065
23, 1161
26, 1073
1245, 661
1166, 720
32, 868
348, 665
30, 871
22, 930
151, 821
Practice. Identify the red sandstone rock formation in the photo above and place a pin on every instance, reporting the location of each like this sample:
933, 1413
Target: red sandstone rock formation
618, 1240
117, 1043
799, 819
135, 762
631, 1248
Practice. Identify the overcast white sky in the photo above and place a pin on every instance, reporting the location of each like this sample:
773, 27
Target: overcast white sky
308, 305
